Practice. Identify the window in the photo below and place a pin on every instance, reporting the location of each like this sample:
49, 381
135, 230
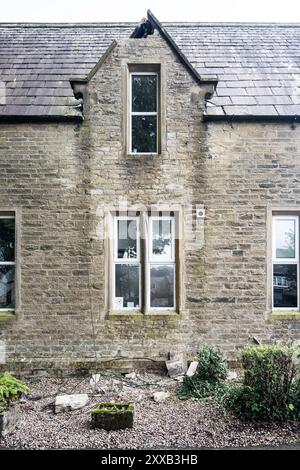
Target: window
144, 267
126, 263
162, 263
285, 248
7, 262
144, 104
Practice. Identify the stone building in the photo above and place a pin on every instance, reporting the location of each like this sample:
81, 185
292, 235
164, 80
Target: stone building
149, 191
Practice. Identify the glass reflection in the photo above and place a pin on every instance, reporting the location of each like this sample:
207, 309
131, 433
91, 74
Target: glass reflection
7, 289
144, 134
162, 286
162, 239
285, 238
285, 285
127, 238
7, 239
144, 93
127, 285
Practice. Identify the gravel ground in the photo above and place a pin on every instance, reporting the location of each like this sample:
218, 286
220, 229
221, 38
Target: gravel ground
173, 423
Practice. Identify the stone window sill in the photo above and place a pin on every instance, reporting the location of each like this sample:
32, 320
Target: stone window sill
285, 315
137, 315
140, 155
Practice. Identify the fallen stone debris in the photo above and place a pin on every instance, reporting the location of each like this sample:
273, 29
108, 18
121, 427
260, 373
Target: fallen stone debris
232, 375
166, 422
192, 369
160, 396
176, 365
70, 402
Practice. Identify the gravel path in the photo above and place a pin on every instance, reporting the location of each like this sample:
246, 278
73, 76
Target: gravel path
173, 423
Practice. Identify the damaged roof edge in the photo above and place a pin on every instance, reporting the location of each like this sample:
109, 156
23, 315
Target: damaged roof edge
251, 118
183, 59
23, 118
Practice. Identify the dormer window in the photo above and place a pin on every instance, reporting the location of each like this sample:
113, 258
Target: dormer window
144, 112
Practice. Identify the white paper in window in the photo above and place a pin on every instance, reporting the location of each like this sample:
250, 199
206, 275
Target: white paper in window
118, 302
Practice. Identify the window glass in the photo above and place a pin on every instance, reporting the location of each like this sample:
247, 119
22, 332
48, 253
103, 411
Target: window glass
162, 286
285, 238
285, 285
144, 134
144, 93
7, 291
127, 286
162, 239
127, 238
7, 239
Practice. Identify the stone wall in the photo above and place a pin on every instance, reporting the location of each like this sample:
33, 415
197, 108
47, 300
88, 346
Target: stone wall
63, 176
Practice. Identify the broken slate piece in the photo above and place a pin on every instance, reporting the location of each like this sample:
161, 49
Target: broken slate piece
176, 368
160, 396
94, 380
70, 402
131, 375
232, 375
176, 356
179, 378
192, 368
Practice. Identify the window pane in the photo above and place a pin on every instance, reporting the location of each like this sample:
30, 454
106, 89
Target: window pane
144, 132
285, 238
7, 239
127, 238
285, 285
127, 286
144, 93
162, 239
162, 286
7, 290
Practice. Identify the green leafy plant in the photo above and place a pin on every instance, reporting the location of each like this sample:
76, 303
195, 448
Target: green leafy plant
295, 398
10, 389
210, 375
269, 388
113, 407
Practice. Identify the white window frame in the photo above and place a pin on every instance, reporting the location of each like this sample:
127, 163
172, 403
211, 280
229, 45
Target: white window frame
131, 261
293, 261
135, 113
154, 261
10, 263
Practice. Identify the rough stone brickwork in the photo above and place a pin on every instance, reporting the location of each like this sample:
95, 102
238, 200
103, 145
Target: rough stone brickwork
63, 176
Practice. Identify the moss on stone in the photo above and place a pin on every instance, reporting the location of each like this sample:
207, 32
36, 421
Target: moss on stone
284, 316
6, 316
113, 408
113, 416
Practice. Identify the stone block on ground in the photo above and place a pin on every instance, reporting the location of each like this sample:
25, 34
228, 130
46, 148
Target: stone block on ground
9, 419
131, 375
176, 365
113, 416
179, 378
232, 375
94, 379
160, 396
192, 368
70, 402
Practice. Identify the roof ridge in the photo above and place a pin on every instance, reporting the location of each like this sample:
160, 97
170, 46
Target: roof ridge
68, 25
133, 23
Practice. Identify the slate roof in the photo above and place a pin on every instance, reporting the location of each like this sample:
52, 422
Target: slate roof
258, 66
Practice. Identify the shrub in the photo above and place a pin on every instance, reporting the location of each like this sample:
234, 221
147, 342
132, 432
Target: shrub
209, 377
295, 395
268, 389
10, 389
